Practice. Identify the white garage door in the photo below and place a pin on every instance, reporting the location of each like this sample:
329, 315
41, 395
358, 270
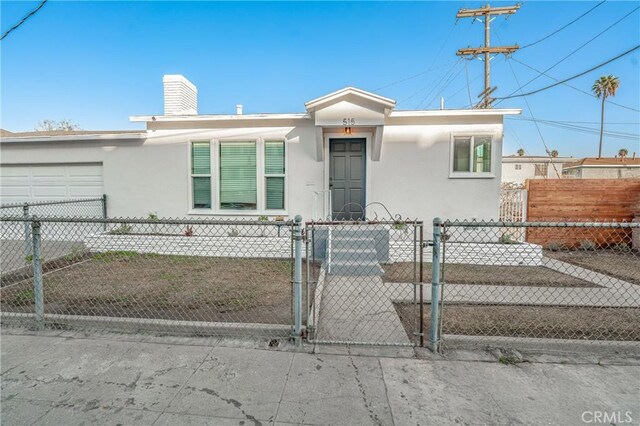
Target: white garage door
43, 182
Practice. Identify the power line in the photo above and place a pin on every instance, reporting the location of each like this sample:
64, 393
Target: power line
574, 87
544, 143
29, 15
450, 80
571, 78
582, 129
575, 51
431, 67
432, 85
581, 122
594, 129
563, 27
466, 72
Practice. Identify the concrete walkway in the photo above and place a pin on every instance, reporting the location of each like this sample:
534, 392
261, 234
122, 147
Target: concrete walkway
360, 309
61, 378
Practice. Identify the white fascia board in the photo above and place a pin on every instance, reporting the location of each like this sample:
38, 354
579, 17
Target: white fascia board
218, 117
312, 104
454, 112
602, 166
76, 138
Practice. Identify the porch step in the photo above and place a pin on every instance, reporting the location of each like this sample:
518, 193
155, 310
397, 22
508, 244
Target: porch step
354, 255
350, 243
351, 268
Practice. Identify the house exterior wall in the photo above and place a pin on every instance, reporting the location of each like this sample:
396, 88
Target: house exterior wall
528, 170
412, 177
609, 172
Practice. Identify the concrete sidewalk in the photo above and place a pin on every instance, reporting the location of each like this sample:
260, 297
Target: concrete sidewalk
68, 378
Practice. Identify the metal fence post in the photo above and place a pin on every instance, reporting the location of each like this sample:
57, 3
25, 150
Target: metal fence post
27, 232
434, 339
297, 279
38, 290
104, 211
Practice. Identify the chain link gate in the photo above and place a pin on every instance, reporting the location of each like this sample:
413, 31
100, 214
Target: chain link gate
364, 281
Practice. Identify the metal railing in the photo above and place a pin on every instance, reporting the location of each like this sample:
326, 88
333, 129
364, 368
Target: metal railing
200, 277
569, 281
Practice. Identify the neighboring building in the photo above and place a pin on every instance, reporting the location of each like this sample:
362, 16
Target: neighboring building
603, 168
518, 169
350, 143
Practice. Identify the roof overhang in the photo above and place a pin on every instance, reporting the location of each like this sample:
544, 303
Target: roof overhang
217, 117
347, 92
76, 138
454, 113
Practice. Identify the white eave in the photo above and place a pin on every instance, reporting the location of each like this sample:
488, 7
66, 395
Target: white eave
76, 138
331, 97
454, 112
217, 117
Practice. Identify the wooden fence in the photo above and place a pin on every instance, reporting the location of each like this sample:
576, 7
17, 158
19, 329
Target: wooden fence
581, 200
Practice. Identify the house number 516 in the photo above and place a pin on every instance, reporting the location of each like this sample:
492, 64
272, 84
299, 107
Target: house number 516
349, 121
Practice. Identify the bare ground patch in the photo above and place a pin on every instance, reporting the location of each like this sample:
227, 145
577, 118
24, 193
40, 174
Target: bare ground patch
550, 322
624, 265
487, 275
127, 284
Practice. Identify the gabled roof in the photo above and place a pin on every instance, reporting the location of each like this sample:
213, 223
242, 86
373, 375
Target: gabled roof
336, 96
605, 162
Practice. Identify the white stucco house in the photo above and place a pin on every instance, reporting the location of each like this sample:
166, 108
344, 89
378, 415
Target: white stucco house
345, 150
517, 169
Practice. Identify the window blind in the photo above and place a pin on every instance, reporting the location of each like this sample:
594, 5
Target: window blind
238, 187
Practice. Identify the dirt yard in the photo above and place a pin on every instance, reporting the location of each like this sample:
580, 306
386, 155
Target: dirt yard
531, 321
127, 284
487, 275
624, 265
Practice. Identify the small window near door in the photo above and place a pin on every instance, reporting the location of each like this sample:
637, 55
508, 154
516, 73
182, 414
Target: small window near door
274, 174
201, 175
471, 156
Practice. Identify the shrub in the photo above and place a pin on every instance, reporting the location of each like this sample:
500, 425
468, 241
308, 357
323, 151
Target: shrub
555, 246
623, 247
124, 228
189, 231
587, 245
507, 238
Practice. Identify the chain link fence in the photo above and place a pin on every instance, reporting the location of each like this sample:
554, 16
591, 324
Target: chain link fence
575, 281
82, 207
219, 278
366, 289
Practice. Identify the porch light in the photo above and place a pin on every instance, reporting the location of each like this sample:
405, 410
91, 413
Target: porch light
347, 130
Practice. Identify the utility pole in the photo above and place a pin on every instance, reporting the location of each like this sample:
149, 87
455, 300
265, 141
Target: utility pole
487, 50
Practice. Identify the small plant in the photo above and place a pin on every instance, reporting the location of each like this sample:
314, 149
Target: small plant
189, 231
76, 252
29, 258
622, 247
124, 228
509, 360
234, 233
555, 246
153, 215
587, 245
400, 226
263, 218
507, 238
23, 297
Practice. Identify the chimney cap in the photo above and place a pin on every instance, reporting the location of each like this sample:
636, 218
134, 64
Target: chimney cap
178, 77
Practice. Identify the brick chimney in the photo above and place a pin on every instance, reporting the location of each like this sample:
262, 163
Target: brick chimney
180, 96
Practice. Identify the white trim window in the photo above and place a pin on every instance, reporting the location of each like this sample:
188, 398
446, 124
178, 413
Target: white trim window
471, 156
201, 175
244, 177
274, 175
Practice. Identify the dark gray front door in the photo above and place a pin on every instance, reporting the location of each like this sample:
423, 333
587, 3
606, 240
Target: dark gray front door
347, 178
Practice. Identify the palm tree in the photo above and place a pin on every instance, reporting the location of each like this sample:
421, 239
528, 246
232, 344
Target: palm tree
554, 153
623, 152
520, 152
604, 87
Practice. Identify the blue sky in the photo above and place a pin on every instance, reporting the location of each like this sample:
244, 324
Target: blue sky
97, 63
